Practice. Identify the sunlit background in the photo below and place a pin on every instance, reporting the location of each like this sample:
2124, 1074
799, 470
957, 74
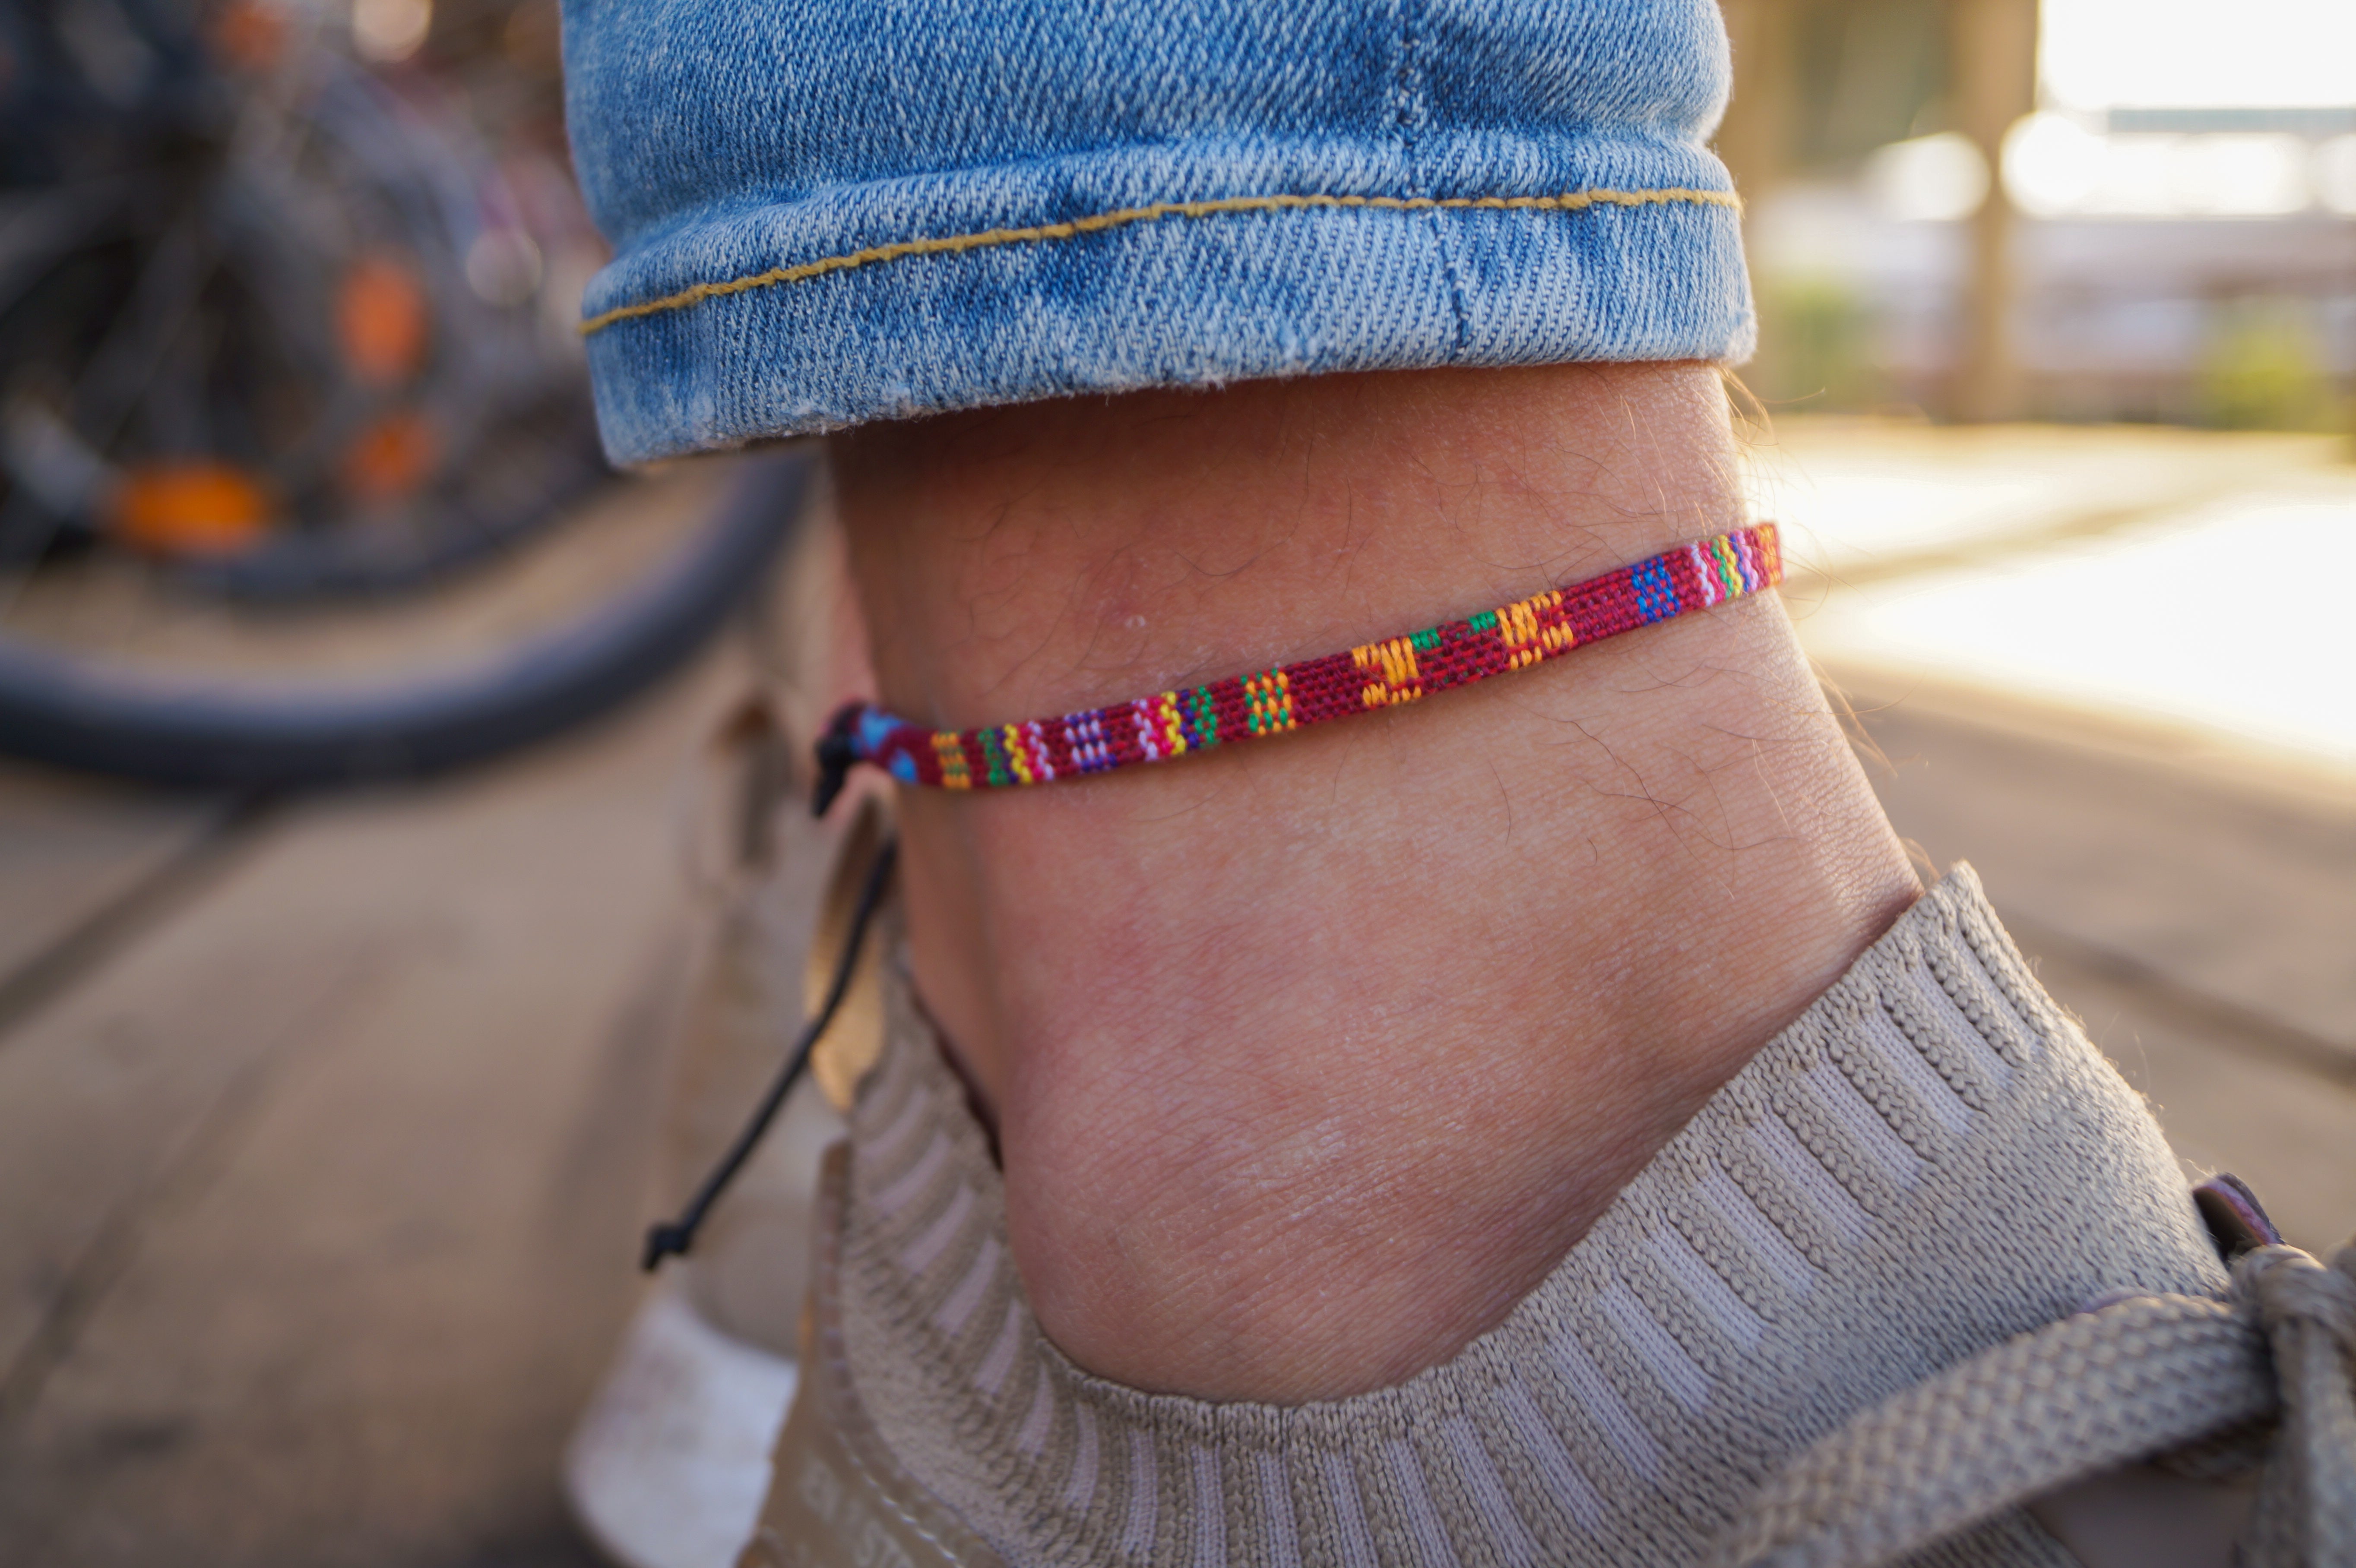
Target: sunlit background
2110, 216
2178, 188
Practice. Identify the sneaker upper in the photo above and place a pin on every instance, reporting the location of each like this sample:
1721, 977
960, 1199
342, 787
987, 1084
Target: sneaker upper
1930, 1164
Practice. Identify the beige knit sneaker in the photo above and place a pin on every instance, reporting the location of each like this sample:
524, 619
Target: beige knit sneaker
1922, 1266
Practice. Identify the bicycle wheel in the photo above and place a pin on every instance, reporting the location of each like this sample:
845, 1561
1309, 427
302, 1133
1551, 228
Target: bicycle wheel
283, 370
275, 734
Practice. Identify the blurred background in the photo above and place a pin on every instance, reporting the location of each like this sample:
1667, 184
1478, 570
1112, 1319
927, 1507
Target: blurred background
364, 744
2089, 211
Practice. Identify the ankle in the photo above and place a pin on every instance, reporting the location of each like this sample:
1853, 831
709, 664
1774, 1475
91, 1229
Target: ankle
1310, 1059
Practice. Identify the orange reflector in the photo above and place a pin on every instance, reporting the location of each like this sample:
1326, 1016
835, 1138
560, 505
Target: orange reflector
380, 320
390, 458
190, 509
249, 36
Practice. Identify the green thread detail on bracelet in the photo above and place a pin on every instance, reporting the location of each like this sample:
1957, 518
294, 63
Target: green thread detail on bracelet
1096, 223
1206, 716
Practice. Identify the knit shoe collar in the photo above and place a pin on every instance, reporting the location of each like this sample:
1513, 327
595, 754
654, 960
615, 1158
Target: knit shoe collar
1930, 1161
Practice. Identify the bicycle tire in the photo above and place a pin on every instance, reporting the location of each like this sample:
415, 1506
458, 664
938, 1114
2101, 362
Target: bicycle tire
75, 715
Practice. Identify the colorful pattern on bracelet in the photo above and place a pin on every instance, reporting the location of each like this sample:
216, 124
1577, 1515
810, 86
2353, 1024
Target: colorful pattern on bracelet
1379, 675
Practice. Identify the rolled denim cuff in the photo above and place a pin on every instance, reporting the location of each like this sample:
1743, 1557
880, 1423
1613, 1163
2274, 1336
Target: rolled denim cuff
1192, 261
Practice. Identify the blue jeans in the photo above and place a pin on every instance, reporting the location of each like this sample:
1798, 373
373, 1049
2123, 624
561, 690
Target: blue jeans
827, 214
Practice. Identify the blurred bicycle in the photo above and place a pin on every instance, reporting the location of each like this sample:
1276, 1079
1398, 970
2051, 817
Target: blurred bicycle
285, 336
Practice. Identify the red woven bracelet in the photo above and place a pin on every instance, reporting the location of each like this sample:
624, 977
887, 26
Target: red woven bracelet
1291, 697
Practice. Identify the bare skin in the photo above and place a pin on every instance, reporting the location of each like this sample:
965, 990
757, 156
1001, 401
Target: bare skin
1311, 1058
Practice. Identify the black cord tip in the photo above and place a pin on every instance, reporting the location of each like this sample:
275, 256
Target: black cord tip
836, 757
662, 1242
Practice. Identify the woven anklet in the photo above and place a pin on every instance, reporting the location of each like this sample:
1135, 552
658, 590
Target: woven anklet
1291, 697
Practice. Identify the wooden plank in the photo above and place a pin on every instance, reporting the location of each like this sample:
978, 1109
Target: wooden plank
2195, 924
72, 849
2241, 889
320, 1206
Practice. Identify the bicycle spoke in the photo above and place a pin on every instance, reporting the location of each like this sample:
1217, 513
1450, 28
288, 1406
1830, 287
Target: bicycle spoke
41, 229
28, 527
143, 334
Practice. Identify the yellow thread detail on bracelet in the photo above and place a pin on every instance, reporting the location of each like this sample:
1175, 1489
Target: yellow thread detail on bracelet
1393, 660
1574, 201
950, 750
1519, 627
1165, 713
1016, 754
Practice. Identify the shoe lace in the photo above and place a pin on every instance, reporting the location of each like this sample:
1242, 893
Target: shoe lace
2138, 1377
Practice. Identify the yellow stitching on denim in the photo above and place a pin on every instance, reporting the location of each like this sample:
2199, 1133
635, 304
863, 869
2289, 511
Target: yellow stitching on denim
1573, 202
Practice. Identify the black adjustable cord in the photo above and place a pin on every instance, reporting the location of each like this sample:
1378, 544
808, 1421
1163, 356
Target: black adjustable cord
678, 1236
837, 755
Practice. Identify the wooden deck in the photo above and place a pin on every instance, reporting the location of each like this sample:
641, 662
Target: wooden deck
324, 1129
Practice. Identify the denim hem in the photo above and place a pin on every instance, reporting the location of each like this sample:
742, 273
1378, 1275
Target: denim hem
809, 331
1098, 222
